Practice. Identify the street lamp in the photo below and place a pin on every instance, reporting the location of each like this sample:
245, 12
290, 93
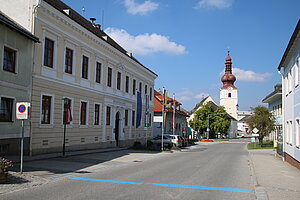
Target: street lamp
208, 122
66, 101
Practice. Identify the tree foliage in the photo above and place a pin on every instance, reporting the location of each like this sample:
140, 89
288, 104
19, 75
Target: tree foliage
218, 120
263, 120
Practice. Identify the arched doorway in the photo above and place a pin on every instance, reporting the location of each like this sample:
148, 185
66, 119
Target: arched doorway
117, 128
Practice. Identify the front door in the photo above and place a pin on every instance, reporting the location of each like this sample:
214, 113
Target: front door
117, 128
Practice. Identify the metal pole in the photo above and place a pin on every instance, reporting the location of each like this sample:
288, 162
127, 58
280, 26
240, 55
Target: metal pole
162, 125
22, 147
174, 113
208, 129
64, 142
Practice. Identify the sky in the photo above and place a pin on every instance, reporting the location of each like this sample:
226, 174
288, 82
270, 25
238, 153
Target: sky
185, 42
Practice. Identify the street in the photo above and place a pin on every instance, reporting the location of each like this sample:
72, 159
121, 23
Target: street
205, 171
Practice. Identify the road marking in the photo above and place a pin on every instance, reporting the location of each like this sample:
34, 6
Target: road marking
166, 185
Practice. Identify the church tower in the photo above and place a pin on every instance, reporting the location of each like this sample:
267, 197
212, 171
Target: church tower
228, 92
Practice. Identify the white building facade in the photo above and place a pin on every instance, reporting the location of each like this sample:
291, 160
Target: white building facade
289, 68
78, 62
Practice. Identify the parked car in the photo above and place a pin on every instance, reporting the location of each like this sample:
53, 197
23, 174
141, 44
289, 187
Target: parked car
176, 140
166, 140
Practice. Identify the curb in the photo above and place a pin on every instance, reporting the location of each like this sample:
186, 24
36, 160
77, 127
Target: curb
71, 153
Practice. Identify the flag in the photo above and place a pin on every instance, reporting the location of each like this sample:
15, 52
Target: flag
68, 115
165, 106
146, 110
138, 109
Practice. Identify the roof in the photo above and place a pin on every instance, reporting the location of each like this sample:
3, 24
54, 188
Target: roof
290, 47
60, 6
275, 95
16, 27
201, 104
158, 104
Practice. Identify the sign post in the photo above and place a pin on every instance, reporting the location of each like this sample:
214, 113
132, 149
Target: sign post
255, 131
22, 113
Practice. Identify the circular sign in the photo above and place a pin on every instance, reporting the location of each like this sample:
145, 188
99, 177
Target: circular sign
22, 108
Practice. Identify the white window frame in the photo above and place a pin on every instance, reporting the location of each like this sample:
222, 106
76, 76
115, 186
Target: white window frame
16, 59
87, 114
297, 72
53, 37
100, 114
101, 71
51, 125
13, 118
291, 132
297, 132
73, 48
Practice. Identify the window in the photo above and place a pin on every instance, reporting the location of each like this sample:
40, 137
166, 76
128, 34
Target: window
229, 94
48, 52
9, 60
6, 109
46, 109
108, 115
133, 118
291, 132
297, 72
126, 117
98, 72
69, 61
146, 89
150, 119
150, 94
297, 133
109, 73
133, 86
97, 114
140, 87
127, 84
119, 80
83, 112
67, 109
290, 79
85, 66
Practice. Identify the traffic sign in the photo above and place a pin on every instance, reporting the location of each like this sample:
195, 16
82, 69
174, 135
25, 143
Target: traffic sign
255, 130
22, 110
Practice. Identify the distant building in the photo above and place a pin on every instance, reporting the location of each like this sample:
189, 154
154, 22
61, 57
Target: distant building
228, 92
289, 68
16, 62
274, 101
233, 124
98, 79
180, 116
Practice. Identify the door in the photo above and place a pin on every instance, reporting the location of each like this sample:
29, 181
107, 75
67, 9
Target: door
117, 128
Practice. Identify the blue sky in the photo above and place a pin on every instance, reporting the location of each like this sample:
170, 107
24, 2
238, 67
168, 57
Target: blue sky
185, 41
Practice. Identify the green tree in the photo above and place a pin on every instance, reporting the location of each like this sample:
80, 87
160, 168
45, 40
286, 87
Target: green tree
221, 121
218, 120
263, 120
200, 123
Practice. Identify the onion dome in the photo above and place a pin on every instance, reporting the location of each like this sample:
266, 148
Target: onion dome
228, 78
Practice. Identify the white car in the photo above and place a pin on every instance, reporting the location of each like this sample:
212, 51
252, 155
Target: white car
176, 140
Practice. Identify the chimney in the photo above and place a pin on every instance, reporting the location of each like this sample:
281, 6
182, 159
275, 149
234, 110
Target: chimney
97, 26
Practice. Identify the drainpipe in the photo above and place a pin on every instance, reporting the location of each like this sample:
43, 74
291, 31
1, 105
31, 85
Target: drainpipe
283, 113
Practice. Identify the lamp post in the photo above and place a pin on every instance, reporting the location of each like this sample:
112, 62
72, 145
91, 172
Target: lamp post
65, 125
208, 122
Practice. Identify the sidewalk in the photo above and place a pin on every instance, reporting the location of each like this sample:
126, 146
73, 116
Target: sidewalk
16, 159
279, 179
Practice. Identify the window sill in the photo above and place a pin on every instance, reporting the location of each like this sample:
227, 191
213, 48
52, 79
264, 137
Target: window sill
97, 126
67, 126
4, 123
83, 126
298, 147
10, 72
297, 86
46, 126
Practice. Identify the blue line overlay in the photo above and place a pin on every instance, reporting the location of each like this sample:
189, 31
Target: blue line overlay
166, 185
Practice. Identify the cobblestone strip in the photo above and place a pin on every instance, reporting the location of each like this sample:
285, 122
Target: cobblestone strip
259, 191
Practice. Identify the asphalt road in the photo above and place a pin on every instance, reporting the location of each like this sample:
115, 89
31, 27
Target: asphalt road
205, 171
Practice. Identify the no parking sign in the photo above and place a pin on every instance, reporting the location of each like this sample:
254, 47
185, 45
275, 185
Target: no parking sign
22, 110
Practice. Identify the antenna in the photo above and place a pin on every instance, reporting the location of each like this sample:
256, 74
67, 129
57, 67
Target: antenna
93, 19
82, 11
102, 19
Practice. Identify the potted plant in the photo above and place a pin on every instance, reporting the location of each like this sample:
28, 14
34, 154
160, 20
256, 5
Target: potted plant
4, 166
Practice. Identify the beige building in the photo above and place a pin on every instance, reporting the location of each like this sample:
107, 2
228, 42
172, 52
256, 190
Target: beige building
98, 79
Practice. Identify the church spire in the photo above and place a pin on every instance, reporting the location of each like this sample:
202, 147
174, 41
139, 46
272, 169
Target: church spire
228, 78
